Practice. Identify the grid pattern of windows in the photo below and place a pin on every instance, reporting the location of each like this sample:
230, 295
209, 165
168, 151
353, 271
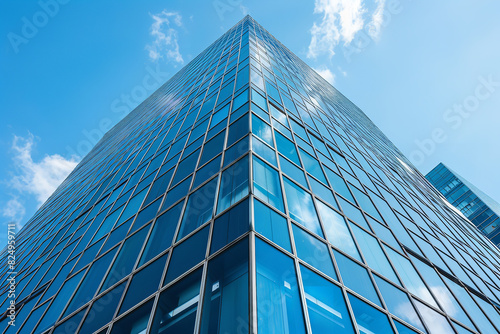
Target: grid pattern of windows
469, 200
247, 194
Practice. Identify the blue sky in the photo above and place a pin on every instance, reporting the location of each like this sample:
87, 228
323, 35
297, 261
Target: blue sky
426, 72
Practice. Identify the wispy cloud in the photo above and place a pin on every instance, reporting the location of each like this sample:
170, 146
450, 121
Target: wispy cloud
41, 178
14, 210
326, 74
341, 21
165, 44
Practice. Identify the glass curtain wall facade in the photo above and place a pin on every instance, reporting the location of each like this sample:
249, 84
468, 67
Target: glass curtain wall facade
478, 207
248, 195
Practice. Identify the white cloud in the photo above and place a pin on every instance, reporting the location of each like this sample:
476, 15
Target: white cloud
37, 178
341, 21
326, 74
165, 44
13, 209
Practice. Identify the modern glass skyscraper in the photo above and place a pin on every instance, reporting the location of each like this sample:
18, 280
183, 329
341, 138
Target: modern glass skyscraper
247, 194
478, 207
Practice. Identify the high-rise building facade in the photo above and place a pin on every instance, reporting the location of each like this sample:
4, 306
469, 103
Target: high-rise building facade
478, 207
248, 195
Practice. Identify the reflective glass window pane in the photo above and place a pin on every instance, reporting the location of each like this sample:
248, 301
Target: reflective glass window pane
286, 147
441, 292
59, 302
337, 231
125, 261
373, 254
436, 322
369, 319
187, 254
143, 283
237, 130
264, 151
398, 303
70, 325
402, 329
102, 310
136, 321
225, 301
278, 302
301, 207
162, 233
234, 184
293, 171
236, 151
207, 171
312, 166
483, 324
199, 208
177, 305
212, 148
356, 277
262, 130
313, 251
410, 277
266, 184
91, 282
325, 304
271, 225
230, 225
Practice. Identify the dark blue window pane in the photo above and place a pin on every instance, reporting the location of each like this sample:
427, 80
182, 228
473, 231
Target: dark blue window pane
237, 130
199, 208
207, 171
271, 225
125, 261
266, 184
59, 302
102, 310
176, 193
187, 254
159, 187
213, 147
279, 308
176, 309
356, 277
185, 167
313, 251
117, 235
230, 225
369, 319
325, 304
162, 234
301, 207
236, 151
70, 325
143, 284
225, 303
146, 215
91, 282
134, 322
234, 184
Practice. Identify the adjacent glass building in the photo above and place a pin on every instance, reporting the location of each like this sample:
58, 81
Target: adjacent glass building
248, 195
478, 207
